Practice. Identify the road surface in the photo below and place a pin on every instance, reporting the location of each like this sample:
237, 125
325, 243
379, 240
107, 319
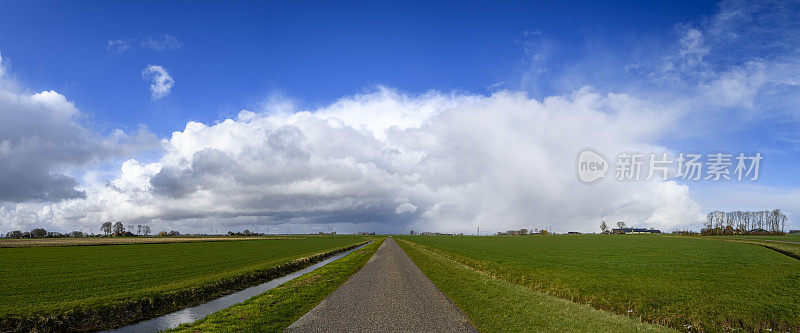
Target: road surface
388, 294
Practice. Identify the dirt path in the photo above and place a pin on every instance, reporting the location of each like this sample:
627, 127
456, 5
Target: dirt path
388, 294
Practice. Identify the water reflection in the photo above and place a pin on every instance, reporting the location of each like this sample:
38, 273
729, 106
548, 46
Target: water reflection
189, 315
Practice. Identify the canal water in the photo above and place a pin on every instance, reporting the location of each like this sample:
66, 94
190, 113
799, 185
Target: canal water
190, 315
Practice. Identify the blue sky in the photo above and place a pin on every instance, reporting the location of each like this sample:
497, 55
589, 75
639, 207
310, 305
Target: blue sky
232, 55
409, 81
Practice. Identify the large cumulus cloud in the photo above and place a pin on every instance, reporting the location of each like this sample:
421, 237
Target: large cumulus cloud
39, 134
384, 159
41, 139
36, 135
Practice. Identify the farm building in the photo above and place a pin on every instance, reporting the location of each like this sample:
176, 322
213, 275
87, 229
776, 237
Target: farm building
635, 231
794, 231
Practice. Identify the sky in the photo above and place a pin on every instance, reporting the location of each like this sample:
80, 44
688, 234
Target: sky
446, 116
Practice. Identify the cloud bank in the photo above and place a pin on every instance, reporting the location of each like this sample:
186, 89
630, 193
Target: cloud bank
384, 159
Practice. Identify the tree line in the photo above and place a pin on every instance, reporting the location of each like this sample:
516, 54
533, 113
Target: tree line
118, 229
107, 228
523, 232
738, 222
35, 233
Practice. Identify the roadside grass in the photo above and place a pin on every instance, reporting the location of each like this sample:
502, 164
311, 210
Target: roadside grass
276, 309
116, 284
673, 281
495, 305
81, 241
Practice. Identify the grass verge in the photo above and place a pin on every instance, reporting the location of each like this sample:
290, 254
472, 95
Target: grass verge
89, 293
494, 305
276, 309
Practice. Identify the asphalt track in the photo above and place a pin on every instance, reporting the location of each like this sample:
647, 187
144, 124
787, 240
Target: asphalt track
388, 294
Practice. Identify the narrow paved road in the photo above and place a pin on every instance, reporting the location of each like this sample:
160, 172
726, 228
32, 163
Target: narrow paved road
388, 294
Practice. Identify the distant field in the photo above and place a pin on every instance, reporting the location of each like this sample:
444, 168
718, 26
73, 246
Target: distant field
51, 280
38, 242
789, 248
702, 284
784, 238
788, 244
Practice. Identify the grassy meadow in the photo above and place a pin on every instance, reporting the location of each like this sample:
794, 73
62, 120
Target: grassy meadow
684, 283
788, 244
495, 305
42, 281
276, 309
790, 249
785, 238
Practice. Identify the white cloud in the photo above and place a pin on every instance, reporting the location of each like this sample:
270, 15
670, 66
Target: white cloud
118, 46
158, 42
40, 138
161, 81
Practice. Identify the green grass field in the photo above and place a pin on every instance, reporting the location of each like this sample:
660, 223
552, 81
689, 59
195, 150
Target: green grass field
703, 284
51, 280
784, 238
789, 249
788, 244
276, 309
495, 305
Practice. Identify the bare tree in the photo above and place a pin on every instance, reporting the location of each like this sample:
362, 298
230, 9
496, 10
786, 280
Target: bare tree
39, 233
106, 228
621, 224
146, 230
603, 226
139, 229
119, 229
773, 222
